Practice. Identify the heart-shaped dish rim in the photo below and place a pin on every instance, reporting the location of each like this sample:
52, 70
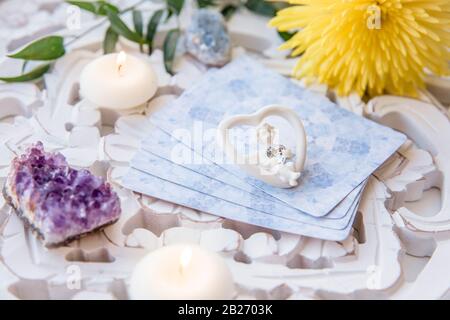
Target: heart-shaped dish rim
256, 119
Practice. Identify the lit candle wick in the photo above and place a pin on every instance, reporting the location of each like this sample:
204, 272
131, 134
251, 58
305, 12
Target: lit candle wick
185, 259
121, 59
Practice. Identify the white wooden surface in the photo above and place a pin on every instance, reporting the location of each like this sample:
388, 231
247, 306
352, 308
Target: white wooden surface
399, 247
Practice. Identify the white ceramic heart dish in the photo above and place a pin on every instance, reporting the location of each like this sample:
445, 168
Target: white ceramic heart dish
271, 165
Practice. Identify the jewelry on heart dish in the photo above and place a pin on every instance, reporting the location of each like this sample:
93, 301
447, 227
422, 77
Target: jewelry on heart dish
273, 163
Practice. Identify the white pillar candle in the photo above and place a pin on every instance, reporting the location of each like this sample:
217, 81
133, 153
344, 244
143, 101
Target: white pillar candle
181, 272
118, 81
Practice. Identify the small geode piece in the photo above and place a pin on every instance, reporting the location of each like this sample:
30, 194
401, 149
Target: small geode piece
207, 38
60, 203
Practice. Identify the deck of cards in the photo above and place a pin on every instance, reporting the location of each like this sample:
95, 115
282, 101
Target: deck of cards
182, 162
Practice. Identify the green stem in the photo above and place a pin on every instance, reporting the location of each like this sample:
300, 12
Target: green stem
24, 65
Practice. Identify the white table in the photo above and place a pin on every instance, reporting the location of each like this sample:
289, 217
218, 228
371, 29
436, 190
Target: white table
400, 246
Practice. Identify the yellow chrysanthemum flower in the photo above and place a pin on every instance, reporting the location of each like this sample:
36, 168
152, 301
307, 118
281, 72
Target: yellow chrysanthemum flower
368, 46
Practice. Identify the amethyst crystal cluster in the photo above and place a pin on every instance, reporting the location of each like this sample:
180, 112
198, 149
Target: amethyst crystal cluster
59, 202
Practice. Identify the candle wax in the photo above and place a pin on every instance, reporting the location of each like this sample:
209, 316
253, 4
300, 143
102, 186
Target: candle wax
118, 82
163, 274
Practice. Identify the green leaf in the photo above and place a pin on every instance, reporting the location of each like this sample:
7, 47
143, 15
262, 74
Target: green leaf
228, 11
122, 29
169, 48
110, 41
96, 7
169, 15
32, 75
44, 49
152, 27
285, 35
261, 7
205, 3
175, 5
138, 24
105, 7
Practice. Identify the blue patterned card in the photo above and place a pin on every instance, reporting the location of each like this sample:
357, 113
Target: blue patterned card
154, 159
152, 185
343, 148
152, 164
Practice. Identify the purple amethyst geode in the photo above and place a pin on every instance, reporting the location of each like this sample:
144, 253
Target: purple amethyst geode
60, 203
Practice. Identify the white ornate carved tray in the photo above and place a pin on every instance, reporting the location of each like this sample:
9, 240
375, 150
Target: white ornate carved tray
399, 247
